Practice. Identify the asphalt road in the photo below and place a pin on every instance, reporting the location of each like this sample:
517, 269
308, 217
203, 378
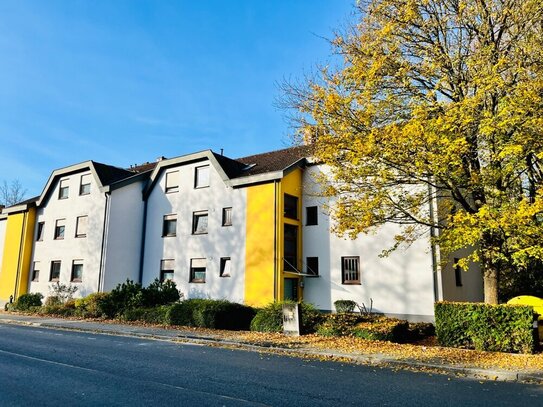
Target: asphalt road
61, 368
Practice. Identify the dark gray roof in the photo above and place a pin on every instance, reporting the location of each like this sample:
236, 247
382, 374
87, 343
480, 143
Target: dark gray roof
274, 160
109, 174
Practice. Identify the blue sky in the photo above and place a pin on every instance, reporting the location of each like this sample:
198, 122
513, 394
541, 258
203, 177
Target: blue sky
123, 82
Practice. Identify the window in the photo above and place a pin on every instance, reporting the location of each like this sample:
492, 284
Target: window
312, 266
227, 216
311, 216
197, 270
350, 270
199, 223
457, 273
291, 207
39, 235
169, 225
226, 265
60, 227
63, 190
201, 177
85, 185
36, 271
77, 271
166, 269
291, 248
172, 181
81, 226
55, 271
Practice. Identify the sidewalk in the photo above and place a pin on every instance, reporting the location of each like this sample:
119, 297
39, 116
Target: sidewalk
457, 362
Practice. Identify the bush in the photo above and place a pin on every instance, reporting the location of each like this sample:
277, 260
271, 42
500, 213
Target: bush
160, 293
52, 301
344, 306
64, 292
154, 315
421, 330
502, 328
217, 314
270, 318
382, 329
57, 309
25, 301
96, 305
339, 324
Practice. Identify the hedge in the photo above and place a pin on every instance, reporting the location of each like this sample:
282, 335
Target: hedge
270, 318
25, 301
216, 314
153, 315
501, 328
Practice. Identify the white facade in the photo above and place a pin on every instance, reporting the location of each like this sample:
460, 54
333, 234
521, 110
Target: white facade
70, 248
3, 225
124, 228
401, 284
220, 242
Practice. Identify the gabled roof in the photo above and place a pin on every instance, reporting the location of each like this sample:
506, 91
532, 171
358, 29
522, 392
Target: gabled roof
248, 170
104, 175
275, 160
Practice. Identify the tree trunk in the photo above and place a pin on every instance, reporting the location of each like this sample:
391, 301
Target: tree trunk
490, 283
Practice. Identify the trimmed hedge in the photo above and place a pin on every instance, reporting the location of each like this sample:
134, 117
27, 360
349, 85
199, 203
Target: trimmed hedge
500, 328
216, 314
270, 318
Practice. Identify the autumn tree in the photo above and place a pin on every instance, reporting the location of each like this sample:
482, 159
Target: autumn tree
11, 193
436, 101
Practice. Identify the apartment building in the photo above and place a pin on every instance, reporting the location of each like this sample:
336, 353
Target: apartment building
251, 230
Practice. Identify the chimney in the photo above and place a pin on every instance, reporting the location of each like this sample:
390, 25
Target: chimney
222, 151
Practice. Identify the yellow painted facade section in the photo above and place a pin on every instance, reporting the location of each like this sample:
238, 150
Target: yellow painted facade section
291, 184
260, 249
16, 259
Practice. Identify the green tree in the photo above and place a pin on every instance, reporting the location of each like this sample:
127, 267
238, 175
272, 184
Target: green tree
436, 101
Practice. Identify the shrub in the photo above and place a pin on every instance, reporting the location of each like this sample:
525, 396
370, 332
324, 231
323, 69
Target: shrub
96, 305
25, 301
270, 318
57, 309
52, 300
421, 330
339, 324
217, 314
160, 293
125, 296
344, 305
63, 292
382, 329
154, 315
503, 328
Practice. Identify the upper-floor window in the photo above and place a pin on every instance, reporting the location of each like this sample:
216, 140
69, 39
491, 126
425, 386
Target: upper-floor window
36, 271
77, 271
457, 273
85, 185
55, 271
81, 226
39, 234
60, 227
63, 189
199, 223
166, 269
291, 207
226, 266
169, 225
227, 216
201, 176
172, 181
311, 216
350, 270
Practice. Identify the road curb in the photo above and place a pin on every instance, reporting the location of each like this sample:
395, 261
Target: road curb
376, 360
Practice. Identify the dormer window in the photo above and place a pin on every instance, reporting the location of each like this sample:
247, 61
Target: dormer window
63, 189
85, 186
